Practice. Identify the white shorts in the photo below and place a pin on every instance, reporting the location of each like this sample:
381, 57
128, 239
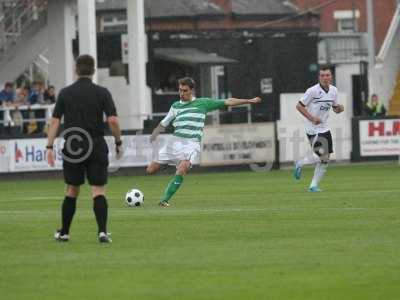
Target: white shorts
175, 149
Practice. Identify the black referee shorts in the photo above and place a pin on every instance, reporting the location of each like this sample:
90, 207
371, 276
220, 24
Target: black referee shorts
321, 143
94, 166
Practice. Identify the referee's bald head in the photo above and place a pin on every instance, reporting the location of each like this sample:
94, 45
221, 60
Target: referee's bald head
85, 65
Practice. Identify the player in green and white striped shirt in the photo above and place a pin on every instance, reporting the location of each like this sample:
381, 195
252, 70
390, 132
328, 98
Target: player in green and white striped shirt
188, 116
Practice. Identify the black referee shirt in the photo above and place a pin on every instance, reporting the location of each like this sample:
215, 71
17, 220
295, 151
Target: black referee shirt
83, 105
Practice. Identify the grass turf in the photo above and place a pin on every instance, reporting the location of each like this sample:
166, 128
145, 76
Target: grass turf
243, 235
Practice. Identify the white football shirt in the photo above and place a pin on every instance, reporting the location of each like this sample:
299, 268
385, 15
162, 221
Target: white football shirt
318, 102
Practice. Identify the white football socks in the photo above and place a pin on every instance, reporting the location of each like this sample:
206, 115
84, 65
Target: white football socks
319, 172
310, 159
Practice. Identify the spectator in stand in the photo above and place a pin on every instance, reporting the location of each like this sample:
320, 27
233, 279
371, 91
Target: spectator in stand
36, 95
49, 96
22, 96
18, 120
7, 95
9, 98
375, 107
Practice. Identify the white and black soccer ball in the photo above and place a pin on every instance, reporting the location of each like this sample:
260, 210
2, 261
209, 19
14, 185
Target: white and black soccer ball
134, 198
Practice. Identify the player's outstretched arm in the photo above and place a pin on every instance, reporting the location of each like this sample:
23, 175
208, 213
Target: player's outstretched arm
338, 108
156, 132
236, 102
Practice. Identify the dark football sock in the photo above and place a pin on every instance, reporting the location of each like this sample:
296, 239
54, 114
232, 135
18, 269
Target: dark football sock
67, 213
100, 209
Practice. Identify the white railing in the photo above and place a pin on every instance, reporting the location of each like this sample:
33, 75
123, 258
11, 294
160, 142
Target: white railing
17, 18
8, 121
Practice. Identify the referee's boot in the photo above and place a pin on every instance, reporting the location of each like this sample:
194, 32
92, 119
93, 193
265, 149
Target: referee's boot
104, 237
61, 237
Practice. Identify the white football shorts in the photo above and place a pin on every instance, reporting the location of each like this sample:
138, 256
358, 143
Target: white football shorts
175, 149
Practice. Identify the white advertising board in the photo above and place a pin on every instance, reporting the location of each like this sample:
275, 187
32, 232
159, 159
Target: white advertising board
379, 137
238, 144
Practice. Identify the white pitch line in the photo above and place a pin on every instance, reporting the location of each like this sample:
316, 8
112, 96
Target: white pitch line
177, 211
172, 211
12, 199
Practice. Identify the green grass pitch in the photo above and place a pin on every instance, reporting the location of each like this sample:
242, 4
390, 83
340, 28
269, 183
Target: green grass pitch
242, 235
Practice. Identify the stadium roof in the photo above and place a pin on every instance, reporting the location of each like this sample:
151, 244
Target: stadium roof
191, 8
181, 8
167, 9
262, 7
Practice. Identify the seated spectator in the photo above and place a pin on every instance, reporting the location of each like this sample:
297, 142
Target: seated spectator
36, 95
375, 108
7, 95
49, 96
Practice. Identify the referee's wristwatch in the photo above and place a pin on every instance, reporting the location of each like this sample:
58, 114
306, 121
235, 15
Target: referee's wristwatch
118, 143
49, 147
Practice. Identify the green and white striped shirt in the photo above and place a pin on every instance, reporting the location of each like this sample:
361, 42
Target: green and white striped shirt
189, 117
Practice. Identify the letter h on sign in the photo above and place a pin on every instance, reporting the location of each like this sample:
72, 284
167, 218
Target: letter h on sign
372, 128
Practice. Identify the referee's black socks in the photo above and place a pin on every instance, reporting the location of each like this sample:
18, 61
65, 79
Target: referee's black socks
67, 213
100, 209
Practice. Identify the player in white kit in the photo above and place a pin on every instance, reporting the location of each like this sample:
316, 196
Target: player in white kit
315, 106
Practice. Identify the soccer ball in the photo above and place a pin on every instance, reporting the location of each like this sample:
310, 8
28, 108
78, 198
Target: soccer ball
134, 198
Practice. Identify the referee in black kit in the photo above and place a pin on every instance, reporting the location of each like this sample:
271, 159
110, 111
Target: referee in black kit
83, 105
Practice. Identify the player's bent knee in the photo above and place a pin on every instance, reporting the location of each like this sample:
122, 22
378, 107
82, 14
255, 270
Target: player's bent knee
72, 191
152, 169
149, 171
183, 168
181, 172
98, 191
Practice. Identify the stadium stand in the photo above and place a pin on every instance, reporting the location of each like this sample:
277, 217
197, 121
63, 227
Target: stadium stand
25, 111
